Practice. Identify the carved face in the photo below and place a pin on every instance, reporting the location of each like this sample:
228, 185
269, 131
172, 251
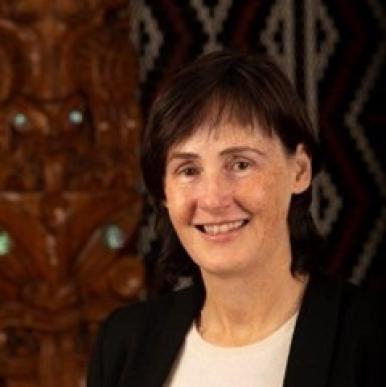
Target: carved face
61, 110
68, 123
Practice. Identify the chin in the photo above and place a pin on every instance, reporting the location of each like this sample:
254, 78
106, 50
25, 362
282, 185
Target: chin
223, 267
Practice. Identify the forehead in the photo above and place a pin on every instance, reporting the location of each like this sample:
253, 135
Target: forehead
222, 135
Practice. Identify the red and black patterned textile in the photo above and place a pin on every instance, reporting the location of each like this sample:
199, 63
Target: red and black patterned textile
335, 53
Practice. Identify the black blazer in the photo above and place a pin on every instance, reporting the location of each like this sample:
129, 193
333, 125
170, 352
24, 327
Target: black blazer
339, 339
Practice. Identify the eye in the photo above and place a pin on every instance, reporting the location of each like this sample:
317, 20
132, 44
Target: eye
240, 165
188, 171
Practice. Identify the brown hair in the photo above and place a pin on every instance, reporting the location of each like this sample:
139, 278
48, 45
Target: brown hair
219, 86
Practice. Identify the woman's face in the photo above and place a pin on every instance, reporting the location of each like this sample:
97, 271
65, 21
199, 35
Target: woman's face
228, 192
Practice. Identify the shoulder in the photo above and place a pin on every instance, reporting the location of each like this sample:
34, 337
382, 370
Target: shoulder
126, 320
341, 328
357, 308
366, 309
130, 329
352, 298
360, 336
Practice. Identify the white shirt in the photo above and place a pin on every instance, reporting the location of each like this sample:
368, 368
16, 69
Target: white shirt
261, 364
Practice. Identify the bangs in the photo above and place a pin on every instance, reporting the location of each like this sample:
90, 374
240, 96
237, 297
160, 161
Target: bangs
223, 105
226, 107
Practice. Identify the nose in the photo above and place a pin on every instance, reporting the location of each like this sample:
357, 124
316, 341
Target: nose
215, 193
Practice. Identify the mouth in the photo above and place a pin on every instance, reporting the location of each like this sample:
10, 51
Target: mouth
221, 228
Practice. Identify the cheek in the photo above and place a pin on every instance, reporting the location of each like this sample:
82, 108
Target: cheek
268, 194
179, 204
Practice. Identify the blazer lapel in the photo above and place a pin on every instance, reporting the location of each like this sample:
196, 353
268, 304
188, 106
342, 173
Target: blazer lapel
313, 341
162, 344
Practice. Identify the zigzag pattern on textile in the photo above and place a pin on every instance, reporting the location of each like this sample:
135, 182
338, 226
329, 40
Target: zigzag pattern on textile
335, 55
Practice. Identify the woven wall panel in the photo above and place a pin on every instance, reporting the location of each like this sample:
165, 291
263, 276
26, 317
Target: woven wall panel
334, 52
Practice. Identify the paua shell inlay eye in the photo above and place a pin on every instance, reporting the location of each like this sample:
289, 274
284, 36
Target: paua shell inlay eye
76, 117
5, 243
113, 237
20, 120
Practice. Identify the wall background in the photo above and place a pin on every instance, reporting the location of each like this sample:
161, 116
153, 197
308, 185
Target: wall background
334, 52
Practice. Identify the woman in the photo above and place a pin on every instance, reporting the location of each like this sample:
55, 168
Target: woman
228, 157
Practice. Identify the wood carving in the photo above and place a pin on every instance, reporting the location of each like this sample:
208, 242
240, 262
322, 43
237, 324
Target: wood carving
69, 124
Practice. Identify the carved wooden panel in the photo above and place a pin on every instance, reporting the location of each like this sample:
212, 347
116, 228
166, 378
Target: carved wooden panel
69, 123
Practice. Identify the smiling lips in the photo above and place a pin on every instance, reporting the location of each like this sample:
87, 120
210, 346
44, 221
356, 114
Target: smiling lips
221, 228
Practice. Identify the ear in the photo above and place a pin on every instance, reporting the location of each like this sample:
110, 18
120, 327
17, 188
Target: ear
302, 170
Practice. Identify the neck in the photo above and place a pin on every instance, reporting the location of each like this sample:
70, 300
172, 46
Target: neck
239, 310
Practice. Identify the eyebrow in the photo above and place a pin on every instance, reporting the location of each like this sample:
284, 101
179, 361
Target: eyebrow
182, 156
240, 149
227, 151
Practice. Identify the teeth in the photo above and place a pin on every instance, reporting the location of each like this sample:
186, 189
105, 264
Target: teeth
215, 229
